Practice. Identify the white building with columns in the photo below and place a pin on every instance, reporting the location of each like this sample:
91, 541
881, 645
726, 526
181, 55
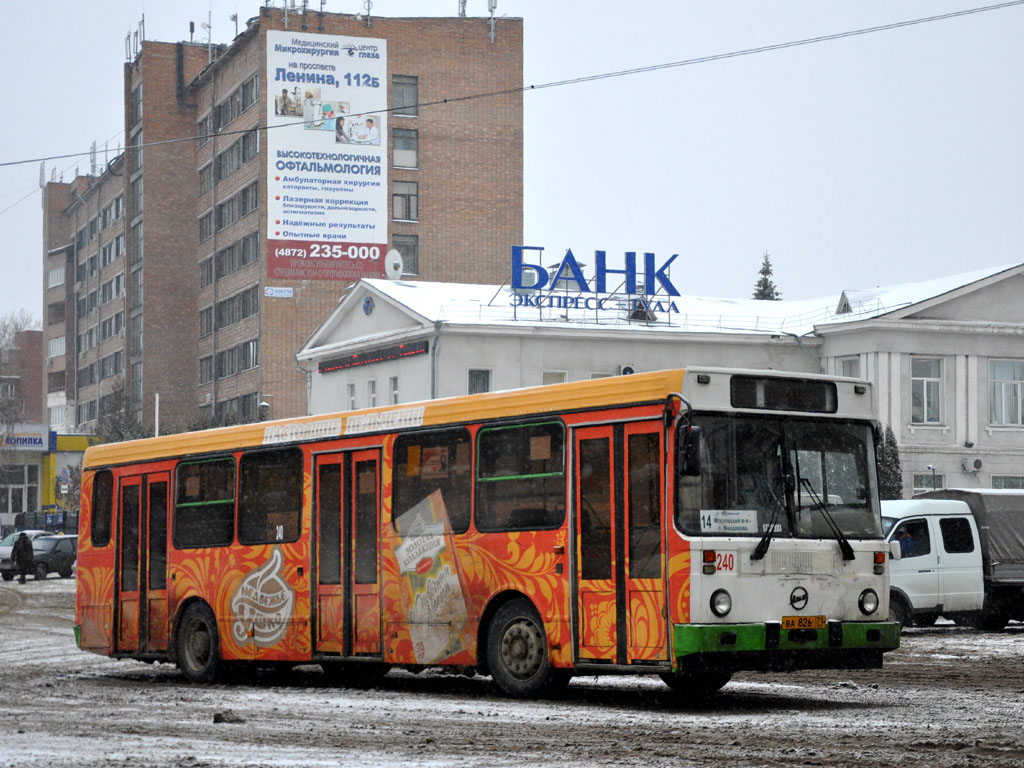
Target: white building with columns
945, 356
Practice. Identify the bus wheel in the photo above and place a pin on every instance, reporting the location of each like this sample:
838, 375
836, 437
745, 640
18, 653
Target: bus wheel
198, 646
696, 683
517, 652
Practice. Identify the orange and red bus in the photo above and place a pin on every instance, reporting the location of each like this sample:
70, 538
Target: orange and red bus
689, 524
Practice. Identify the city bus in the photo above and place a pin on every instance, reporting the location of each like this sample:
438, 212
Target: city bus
683, 523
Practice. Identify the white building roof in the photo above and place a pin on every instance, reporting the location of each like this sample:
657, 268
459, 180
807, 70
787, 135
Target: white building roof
468, 304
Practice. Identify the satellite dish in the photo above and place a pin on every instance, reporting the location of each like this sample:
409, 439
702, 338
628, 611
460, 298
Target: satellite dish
393, 265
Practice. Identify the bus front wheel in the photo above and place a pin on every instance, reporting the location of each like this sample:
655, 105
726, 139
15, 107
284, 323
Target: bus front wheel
198, 645
517, 652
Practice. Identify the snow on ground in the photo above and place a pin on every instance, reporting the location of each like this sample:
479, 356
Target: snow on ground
948, 697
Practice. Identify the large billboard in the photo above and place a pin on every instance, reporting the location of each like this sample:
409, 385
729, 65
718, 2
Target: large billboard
327, 148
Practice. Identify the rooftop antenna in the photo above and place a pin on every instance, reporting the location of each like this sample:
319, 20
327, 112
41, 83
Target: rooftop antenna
462, 8
491, 6
234, 18
208, 26
92, 159
42, 174
368, 5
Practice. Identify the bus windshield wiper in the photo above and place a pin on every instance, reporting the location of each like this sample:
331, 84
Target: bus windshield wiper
768, 497
844, 544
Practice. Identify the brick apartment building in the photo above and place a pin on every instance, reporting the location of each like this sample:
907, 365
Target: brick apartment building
157, 276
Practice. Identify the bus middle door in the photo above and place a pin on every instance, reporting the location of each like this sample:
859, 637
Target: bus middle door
348, 578
142, 563
620, 582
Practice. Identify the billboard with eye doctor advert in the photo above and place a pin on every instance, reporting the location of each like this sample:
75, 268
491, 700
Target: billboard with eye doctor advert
327, 149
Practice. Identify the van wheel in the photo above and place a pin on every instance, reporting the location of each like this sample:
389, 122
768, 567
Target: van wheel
517, 652
925, 619
900, 611
198, 644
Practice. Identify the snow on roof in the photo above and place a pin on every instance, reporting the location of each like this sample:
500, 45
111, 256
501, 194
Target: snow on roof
471, 304
871, 302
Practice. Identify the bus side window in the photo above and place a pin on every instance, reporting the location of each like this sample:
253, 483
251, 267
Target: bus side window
269, 496
520, 477
102, 508
429, 461
204, 509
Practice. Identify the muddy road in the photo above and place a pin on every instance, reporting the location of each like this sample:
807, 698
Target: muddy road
948, 697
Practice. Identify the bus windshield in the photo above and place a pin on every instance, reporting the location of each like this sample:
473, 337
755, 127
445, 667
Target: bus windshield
792, 477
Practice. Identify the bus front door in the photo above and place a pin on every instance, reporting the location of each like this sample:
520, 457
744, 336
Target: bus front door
620, 567
347, 562
142, 563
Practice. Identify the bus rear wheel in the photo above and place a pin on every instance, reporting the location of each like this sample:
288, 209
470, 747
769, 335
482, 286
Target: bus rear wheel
696, 683
517, 652
198, 644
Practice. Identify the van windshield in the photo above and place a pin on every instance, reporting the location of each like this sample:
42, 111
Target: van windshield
791, 476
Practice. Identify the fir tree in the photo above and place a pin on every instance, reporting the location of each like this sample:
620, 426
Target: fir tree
765, 288
890, 473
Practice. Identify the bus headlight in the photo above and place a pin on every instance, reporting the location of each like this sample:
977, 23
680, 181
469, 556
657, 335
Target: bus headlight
868, 602
721, 603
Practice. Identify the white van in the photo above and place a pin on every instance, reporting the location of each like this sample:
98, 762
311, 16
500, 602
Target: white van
939, 571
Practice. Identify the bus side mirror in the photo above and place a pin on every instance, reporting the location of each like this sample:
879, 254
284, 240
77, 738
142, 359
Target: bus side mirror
688, 452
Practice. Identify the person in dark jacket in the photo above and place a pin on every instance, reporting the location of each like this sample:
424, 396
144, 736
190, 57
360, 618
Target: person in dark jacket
22, 557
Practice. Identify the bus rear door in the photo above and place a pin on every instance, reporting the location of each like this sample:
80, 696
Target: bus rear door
142, 563
347, 567
620, 543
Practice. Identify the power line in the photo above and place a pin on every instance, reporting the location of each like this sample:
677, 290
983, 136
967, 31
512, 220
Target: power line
591, 78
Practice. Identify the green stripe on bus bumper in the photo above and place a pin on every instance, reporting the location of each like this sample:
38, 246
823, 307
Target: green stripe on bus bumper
767, 646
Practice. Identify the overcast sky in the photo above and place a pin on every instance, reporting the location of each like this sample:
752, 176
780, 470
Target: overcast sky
875, 159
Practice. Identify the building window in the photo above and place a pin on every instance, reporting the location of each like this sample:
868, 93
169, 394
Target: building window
55, 347
136, 197
206, 226
928, 481
405, 95
204, 129
205, 272
136, 243
479, 380
135, 106
406, 151
227, 214
136, 337
393, 390
925, 386
406, 201
1008, 482
249, 92
205, 179
409, 247
371, 394
849, 366
351, 397
205, 370
249, 199
205, 322
56, 277
1006, 392
553, 377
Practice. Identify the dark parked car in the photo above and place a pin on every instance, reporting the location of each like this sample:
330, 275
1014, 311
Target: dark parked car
7, 568
54, 553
